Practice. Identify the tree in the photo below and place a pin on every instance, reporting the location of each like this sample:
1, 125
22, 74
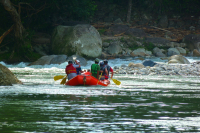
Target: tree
18, 27
129, 11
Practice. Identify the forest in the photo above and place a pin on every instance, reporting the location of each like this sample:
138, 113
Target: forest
21, 19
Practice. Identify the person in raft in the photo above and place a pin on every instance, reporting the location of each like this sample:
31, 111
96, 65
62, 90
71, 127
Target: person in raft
103, 70
109, 69
95, 68
78, 70
70, 69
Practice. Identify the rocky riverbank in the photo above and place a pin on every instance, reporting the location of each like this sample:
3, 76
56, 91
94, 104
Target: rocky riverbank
192, 69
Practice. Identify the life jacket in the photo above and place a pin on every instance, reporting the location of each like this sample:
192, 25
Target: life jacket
70, 69
78, 70
102, 68
108, 68
94, 68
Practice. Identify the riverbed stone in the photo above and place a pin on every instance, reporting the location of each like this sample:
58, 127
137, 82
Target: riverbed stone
133, 65
148, 63
161, 69
196, 53
172, 51
192, 41
178, 59
181, 50
7, 78
114, 48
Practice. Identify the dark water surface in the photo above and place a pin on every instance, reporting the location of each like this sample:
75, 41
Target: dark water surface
141, 103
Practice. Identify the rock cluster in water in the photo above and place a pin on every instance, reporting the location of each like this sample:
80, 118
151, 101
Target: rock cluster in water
192, 69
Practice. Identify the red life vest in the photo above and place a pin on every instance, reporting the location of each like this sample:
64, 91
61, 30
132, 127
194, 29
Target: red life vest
70, 69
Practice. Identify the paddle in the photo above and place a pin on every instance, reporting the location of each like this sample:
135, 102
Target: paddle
58, 77
64, 80
99, 78
117, 82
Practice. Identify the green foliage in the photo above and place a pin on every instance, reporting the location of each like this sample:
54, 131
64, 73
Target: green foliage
4, 56
122, 39
101, 31
169, 6
135, 46
149, 46
108, 41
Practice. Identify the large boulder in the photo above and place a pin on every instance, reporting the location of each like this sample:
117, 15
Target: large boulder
192, 41
114, 48
50, 59
83, 40
7, 78
178, 59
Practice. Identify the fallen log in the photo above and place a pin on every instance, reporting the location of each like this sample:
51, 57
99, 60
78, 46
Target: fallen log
6, 33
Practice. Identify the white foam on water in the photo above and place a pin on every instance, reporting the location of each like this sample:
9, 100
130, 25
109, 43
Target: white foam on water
112, 62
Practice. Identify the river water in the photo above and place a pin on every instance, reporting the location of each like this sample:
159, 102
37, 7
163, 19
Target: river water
139, 104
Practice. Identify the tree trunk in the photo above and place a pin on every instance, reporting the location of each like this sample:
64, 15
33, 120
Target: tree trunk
129, 11
18, 27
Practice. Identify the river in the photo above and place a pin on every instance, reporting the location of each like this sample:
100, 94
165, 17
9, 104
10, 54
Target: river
139, 104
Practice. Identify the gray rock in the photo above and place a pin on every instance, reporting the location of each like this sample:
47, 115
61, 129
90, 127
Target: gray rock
44, 60
114, 48
181, 50
124, 65
148, 63
83, 40
172, 51
159, 54
58, 59
192, 41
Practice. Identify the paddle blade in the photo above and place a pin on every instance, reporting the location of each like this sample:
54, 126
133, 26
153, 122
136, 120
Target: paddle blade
58, 77
63, 81
117, 82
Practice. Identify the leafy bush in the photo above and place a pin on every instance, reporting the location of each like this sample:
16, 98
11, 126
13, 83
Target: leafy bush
101, 31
